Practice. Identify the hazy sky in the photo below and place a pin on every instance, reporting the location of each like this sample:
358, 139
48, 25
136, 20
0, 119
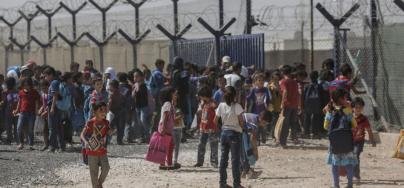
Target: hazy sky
11, 3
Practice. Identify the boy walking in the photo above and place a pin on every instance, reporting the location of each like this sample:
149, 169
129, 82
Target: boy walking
94, 137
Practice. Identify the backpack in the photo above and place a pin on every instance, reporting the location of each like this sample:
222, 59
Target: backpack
313, 98
340, 133
65, 98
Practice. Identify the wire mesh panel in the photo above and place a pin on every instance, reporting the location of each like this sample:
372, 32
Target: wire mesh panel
246, 49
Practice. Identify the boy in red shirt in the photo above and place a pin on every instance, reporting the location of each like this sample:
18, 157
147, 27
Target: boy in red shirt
289, 105
209, 129
27, 107
94, 136
359, 132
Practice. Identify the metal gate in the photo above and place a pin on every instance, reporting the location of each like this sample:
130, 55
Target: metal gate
246, 49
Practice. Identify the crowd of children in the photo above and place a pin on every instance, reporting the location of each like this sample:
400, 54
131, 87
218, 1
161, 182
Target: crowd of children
234, 106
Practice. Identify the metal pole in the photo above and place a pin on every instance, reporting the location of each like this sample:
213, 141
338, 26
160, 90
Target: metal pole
74, 26
72, 53
28, 33
44, 55
312, 35
134, 54
374, 33
137, 21
217, 46
101, 50
176, 26
248, 13
302, 51
337, 49
104, 25
49, 28
221, 14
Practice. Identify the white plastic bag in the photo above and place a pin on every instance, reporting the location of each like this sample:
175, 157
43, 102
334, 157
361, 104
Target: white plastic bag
194, 124
110, 116
39, 125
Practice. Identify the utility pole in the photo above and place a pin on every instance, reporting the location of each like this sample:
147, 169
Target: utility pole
374, 33
312, 35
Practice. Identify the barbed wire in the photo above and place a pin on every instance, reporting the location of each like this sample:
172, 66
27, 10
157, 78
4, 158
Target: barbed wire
279, 22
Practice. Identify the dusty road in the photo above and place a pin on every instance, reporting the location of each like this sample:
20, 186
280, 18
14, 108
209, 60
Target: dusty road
301, 166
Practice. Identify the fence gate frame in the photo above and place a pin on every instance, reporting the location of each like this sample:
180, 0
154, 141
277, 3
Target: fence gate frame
248, 49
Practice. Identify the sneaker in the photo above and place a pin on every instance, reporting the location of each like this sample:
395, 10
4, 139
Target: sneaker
20, 147
253, 174
225, 186
214, 165
198, 165
163, 167
244, 175
177, 166
31, 148
51, 150
44, 148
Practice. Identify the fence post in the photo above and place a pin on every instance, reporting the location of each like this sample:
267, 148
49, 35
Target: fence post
29, 19
73, 13
134, 42
71, 43
100, 44
103, 11
44, 46
337, 24
217, 33
21, 46
177, 35
11, 26
49, 14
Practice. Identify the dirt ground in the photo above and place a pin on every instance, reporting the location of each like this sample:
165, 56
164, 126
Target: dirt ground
302, 165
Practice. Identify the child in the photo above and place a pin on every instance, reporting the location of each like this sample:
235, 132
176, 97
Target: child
231, 114
94, 136
289, 105
359, 132
250, 151
313, 101
177, 135
276, 99
99, 95
208, 128
56, 136
168, 97
116, 102
140, 98
258, 101
221, 84
10, 101
339, 122
43, 112
27, 108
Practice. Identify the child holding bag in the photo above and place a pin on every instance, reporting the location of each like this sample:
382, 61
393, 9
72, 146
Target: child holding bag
168, 97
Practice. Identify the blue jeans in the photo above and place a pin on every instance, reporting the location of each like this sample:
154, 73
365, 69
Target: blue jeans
142, 115
10, 126
56, 130
358, 149
289, 123
349, 174
119, 123
214, 143
230, 141
26, 122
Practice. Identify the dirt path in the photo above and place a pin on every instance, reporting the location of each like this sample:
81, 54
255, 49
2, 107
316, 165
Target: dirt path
296, 167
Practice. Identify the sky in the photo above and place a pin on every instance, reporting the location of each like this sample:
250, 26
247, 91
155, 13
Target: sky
11, 3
